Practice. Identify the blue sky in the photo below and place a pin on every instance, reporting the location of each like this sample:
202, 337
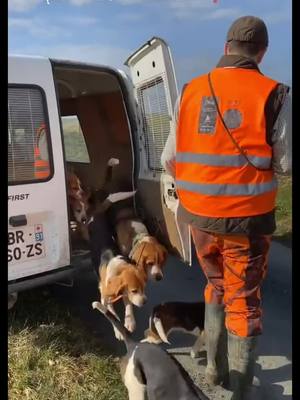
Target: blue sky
107, 31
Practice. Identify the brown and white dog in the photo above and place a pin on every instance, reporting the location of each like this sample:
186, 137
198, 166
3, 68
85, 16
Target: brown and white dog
135, 242
177, 316
85, 204
119, 279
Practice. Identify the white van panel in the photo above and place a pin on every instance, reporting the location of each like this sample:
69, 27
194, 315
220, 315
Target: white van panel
153, 75
43, 203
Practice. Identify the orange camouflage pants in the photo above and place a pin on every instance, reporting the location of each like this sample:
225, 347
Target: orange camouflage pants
235, 267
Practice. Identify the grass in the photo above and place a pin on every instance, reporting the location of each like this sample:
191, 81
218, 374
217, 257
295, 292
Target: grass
284, 211
52, 356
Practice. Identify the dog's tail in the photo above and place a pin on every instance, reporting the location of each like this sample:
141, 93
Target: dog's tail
155, 322
114, 321
102, 193
112, 162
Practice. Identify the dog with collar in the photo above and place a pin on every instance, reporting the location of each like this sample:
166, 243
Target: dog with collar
149, 370
177, 316
120, 279
135, 242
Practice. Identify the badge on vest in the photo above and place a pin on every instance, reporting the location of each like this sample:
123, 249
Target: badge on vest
233, 118
208, 115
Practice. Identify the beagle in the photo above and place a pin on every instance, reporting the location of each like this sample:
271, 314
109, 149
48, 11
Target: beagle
148, 370
135, 242
74, 188
177, 316
85, 204
119, 279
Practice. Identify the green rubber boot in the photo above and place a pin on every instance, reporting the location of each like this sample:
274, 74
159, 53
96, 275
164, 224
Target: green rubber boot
216, 345
241, 359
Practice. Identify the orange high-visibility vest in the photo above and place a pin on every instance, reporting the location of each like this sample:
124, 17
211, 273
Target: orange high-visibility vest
213, 179
41, 167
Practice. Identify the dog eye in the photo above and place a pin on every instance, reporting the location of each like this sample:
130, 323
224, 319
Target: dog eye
150, 264
78, 210
134, 291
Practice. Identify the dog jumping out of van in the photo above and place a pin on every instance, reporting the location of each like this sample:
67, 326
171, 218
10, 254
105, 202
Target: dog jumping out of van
85, 204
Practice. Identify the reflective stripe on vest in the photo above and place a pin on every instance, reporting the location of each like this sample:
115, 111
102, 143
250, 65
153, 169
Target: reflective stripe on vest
212, 178
222, 160
228, 189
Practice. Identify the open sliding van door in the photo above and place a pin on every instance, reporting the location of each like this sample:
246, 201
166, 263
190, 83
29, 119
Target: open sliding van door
155, 86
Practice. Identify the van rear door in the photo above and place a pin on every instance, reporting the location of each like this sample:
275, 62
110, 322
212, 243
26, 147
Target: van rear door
38, 233
153, 76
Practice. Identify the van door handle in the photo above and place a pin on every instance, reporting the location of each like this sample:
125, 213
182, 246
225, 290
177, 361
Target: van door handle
18, 220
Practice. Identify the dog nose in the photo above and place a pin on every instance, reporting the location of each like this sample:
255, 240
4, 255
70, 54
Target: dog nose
83, 220
158, 277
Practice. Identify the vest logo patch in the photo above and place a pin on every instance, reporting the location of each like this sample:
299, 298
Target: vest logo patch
208, 116
233, 118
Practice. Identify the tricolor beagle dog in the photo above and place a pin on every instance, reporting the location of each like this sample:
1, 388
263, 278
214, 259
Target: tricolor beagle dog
135, 242
177, 316
85, 204
149, 370
120, 279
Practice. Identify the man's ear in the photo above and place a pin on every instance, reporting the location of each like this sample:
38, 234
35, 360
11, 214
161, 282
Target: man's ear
226, 48
114, 287
261, 55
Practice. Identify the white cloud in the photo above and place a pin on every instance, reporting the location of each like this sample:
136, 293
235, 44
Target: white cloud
201, 9
22, 5
38, 27
106, 55
130, 17
222, 13
130, 2
82, 21
278, 16
80, 2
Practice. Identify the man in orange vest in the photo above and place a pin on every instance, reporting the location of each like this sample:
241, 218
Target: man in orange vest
233, 134
41, 162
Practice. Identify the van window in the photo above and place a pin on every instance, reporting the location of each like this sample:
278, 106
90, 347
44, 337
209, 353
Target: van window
28, 145
75, 146
156, 120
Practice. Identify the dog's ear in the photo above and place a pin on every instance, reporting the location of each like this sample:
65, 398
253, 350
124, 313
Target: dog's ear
115, 287
140, 257
163, 254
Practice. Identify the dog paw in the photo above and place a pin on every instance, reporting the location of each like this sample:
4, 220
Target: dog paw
95, 304
130, 324
118, 335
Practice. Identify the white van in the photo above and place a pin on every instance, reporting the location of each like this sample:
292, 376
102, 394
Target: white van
87, 113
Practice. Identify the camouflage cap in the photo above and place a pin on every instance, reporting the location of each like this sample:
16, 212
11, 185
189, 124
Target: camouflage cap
249, 29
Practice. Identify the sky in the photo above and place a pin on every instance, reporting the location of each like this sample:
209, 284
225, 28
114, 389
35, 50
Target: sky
108, 31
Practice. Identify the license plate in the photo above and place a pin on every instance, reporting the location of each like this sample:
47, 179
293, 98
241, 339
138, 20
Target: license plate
26, 243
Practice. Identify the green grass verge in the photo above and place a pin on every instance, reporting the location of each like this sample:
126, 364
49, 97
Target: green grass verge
284, 211
52, 356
